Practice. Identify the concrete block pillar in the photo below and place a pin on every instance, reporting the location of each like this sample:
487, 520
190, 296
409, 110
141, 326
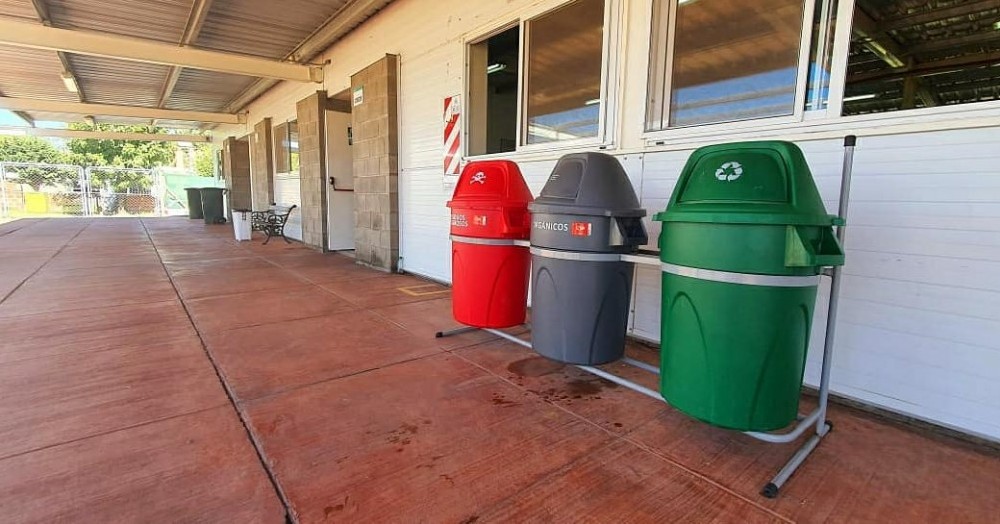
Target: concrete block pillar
236, 171
312, 168
376, 168
262, 165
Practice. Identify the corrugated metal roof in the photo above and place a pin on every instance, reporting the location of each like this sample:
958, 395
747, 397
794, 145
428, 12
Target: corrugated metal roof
32, 73
108, 81
263, 27
206, 90
266, 28
22, 9
149, 19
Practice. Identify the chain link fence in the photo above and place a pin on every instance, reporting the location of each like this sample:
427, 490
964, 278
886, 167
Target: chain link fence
35, 190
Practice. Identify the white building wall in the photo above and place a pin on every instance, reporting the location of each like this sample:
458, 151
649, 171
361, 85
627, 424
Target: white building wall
919, 327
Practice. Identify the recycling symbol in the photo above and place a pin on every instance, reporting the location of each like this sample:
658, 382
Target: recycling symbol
729, 171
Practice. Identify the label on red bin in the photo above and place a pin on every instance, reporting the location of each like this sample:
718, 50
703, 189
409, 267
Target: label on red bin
479, 220
458, 220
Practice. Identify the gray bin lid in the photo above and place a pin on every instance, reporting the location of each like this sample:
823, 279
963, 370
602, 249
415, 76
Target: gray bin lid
590, 184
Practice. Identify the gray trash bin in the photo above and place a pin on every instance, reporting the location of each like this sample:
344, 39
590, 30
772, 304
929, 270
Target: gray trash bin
586, 216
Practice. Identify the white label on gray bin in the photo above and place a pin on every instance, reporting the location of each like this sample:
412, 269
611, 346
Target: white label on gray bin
550, 226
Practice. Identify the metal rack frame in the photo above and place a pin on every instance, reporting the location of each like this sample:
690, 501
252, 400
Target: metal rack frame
817, 418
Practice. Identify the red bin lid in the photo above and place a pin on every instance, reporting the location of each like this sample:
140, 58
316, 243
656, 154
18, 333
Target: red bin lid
495, 183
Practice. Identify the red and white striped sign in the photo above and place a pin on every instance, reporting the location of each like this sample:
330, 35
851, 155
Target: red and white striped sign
452, 135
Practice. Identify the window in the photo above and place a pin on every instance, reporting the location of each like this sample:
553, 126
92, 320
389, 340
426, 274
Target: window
724, 60
493, 72
560, 90
906, 55
286, 147
563, 77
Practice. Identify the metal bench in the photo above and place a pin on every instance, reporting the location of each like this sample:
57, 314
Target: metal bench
272, 222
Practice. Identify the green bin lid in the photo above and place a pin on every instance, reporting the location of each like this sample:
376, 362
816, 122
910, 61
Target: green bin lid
766, 182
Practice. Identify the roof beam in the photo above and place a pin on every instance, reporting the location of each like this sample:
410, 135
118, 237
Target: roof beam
199, 11
335, 27
877, 41
102, 135
937, 14
956, 42
924, 68
124, 48
52, 106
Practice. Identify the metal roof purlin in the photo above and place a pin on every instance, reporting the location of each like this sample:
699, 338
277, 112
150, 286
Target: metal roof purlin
323, 37
46, 19
199, 11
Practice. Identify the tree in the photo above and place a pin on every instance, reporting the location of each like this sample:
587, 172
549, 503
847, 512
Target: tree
31, 149
204, 160
123, 153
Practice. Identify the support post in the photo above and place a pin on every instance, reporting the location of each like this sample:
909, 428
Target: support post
3, 189
831, 317
84, 175
823, 427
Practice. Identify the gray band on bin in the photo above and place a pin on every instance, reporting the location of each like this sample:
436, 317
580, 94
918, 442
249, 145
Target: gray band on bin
576, 255
483, 241
746, 279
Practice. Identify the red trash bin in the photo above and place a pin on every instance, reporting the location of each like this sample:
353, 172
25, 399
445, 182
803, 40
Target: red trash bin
489, 211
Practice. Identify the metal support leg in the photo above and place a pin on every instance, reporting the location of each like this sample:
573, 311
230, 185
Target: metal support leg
641, 365
823, 426
509, 337
456, 331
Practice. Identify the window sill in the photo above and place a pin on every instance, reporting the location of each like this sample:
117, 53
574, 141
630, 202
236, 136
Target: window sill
966, 116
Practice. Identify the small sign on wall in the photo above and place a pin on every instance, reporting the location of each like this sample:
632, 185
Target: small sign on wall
452, 135
358, 96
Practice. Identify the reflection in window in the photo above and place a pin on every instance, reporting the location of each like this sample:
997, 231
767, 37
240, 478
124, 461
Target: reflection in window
564, 64
293, 146
907, 55
286, 147
734, 60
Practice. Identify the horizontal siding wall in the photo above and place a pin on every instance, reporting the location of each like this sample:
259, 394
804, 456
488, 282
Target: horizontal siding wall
919, 327
287, 191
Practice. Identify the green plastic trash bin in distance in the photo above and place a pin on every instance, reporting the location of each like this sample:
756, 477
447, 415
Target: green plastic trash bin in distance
211, 203
194, 202
744, 239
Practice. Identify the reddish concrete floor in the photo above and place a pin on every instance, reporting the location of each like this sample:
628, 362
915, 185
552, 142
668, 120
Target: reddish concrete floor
336, 403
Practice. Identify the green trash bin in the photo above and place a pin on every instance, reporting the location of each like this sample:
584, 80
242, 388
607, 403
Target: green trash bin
194, 202
211, 203
745, 237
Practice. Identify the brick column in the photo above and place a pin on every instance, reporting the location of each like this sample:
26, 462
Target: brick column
236, 170
376, 172
262, 165
312, 168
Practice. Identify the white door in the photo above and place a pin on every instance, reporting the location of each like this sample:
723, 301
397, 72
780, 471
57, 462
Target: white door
340, 194
287, 192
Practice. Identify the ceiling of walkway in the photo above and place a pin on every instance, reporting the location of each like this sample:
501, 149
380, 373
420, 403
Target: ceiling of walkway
286, 30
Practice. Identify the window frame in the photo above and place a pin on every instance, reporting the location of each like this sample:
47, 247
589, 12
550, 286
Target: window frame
820, 123
660, 71
610, 62
278, 141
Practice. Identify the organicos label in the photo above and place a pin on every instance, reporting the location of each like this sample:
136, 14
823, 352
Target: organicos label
550, 226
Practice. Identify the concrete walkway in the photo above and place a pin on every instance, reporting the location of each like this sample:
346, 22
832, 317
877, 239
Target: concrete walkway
157, 371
